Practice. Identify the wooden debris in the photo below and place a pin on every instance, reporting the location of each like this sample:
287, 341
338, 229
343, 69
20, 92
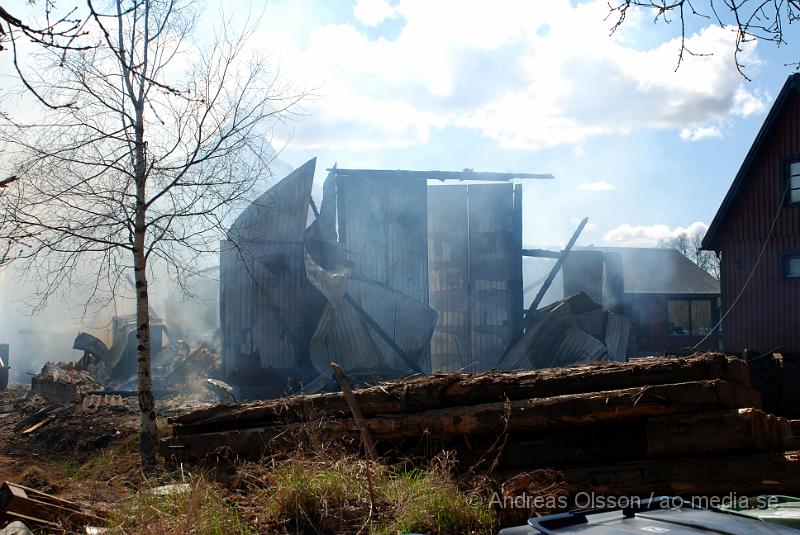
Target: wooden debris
366, 438
666, 425
63, 383
35, 508
34, 427
720, 431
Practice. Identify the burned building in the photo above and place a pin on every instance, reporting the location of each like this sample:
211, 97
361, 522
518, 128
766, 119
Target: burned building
268, 308
393, 276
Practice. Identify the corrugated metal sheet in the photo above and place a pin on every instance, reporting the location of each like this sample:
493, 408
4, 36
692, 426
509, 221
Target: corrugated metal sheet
383, 223
281, 213
492, 255
556, 338
267, 305
344, 336
616, 339
448, 254
474, 264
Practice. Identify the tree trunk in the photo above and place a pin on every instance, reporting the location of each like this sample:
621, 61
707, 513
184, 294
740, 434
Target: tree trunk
148, 432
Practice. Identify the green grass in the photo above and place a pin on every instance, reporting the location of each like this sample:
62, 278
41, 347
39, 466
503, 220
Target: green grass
304, 494
204, 509
309, 496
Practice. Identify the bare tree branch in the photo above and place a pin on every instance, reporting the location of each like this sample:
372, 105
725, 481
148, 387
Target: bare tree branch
752, 20
138, 170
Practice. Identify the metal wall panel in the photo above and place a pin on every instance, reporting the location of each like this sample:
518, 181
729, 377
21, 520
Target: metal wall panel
583, 272
267, 307
281, 213
448, 269
474, 249
383, 222
492, 256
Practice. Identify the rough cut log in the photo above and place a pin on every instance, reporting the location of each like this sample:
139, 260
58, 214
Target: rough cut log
419, 394
558, 411
795, 427
609, 442
704, 433
718, 431
490, 419
783, 433
777, 473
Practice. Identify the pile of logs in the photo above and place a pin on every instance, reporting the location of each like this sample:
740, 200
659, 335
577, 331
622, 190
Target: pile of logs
653, 425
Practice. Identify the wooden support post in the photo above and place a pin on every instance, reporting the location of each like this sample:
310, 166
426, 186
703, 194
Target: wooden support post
369, 446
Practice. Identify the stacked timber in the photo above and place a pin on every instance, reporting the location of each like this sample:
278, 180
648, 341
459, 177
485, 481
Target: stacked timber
636, 426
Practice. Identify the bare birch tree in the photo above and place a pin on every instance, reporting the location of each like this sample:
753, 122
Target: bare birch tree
156, 137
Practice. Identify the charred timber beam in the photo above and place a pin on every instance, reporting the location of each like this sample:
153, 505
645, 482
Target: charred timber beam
716, 432
488, 419
541, 253
553, 412
691, 475
554, 270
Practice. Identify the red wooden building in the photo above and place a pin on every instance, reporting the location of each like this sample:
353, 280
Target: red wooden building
756, 232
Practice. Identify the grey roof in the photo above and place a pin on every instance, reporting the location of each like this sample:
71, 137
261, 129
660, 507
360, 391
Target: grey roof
648, 270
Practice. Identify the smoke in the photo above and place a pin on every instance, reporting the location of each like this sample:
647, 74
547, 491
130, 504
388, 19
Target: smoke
38, 336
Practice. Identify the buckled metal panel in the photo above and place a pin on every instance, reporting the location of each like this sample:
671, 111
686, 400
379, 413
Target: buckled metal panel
383, 223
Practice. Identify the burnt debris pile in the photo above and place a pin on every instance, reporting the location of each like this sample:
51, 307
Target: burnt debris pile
64, 412
672, 425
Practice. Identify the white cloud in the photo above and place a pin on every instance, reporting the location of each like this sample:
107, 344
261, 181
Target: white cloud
648, 235
701, 132
602, 185
373, 12
493, 71
746, 103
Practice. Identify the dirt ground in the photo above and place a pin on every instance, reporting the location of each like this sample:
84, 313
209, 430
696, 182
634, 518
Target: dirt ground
88, 454
85, 453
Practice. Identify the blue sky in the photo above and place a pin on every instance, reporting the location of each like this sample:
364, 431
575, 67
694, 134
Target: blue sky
529, 86
507, 85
